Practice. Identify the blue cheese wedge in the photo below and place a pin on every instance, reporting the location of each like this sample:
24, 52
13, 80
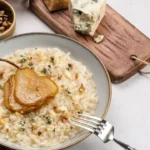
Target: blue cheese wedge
87, 15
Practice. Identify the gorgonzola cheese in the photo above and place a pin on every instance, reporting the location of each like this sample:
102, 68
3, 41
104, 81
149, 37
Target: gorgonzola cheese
87, 15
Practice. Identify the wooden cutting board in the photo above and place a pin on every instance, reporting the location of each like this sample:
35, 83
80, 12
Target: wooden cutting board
121, 40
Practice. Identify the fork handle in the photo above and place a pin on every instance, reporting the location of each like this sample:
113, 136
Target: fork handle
123, 145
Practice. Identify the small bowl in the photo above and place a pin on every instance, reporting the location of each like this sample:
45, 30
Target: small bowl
8, 8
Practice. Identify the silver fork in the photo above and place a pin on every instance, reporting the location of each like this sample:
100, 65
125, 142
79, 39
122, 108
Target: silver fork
101, 128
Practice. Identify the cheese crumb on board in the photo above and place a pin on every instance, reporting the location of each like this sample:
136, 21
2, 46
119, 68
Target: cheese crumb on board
87, 15
54, 5
99, 38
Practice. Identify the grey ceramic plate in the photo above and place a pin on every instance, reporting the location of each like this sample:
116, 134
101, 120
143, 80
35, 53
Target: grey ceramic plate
78, 52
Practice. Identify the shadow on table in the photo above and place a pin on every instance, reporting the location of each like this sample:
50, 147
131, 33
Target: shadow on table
25, 3
91, 143
135, 79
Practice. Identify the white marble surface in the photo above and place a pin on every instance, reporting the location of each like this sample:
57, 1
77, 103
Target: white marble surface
130, 108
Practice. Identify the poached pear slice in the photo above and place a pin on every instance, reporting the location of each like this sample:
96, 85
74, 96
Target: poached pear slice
6, 93
32, 89
10, 102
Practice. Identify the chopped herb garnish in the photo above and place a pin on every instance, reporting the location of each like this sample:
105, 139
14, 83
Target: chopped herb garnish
21, 129
68, 92
52, 59
95, 0
30, 64
22, 123
31, 120
49, 69
14, 133
68, 68
48, 120
23, 60
21, 55
44, 71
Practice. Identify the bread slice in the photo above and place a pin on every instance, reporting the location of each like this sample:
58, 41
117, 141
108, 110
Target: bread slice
32, 89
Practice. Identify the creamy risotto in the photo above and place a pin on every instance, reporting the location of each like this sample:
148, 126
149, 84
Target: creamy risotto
48, 125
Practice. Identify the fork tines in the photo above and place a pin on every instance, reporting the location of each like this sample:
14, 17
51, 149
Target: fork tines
90, 123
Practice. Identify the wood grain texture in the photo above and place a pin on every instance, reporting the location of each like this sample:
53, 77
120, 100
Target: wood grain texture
121, 40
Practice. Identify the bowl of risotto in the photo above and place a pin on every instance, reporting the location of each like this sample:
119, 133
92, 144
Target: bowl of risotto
52, 78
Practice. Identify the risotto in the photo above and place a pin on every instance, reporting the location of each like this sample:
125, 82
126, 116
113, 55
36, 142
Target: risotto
49, 125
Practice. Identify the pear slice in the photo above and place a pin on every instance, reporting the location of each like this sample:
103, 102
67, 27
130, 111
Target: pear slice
32, 89
10, 102
6, 94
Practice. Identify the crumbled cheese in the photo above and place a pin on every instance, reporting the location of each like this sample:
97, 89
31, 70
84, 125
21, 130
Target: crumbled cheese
68, 74
99, 38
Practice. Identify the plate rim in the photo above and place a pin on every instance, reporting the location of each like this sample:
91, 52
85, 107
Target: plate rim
106, 72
